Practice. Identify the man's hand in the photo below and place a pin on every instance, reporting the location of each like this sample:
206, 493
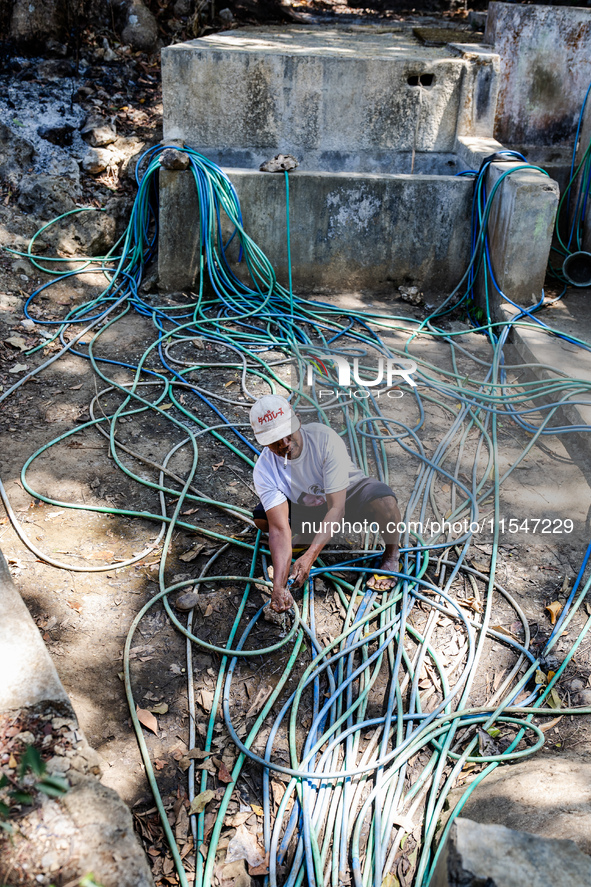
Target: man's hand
301, 570
281, 600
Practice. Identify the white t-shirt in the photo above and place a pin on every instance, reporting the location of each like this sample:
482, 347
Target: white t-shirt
324, 466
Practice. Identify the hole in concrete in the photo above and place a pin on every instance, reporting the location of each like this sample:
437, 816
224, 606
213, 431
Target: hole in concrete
421, 79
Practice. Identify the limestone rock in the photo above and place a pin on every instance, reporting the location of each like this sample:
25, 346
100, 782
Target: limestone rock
98, 132
90, 233
57, 134
187, 601
16, 154
173, 159
55, 69
33, 22
46, 196
547, 795
279, 163
89, 829
96, 160
141, 29
494, 856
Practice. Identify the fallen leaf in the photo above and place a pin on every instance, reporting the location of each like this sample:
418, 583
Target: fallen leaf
244, 845
75, 605
102, 555
148, 720
159, 764
12, 762
259, 701
231, 382
190, 555
19, 368
256, 809
162, 707
76, 387
217, 465
190, 511
238, 818
553, 699
224, 774
554, 609
201, 801
198, 753
262, 869
17, 342
390, 881
552, 723
205, 699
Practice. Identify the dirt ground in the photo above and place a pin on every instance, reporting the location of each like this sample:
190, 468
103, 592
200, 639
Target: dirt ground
85, 617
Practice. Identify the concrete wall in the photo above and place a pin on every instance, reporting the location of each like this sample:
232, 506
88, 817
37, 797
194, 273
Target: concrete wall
347, 231
545, 58
323, 95
584, 141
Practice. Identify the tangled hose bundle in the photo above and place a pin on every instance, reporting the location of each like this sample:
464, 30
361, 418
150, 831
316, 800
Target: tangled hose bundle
372, 765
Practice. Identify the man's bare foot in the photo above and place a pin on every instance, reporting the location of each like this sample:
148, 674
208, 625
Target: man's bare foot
383, 583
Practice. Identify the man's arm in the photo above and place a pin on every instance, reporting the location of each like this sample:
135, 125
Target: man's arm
332, 520
280, 545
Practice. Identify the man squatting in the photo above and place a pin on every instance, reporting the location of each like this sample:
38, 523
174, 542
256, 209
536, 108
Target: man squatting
305, 479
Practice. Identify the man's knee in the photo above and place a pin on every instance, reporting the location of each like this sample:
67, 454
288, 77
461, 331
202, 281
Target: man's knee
261, 524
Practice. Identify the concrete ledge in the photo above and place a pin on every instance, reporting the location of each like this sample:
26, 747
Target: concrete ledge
28, 674
347, 230
478, 855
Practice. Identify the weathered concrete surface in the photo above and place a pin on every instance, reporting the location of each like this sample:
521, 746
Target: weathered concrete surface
28, 674
572, 316
364, 231
379, 123
178, 232
329, 96
520, 229
550, 796
494, 856
545, 69
584, 141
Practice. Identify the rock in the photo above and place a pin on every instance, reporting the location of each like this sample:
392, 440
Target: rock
55, 69
270, 615
182, 7
173, 159
16, 154
109, 55
46, 196
584, 698
91, 233
58, 134
54, 47
279, 163
127, 150
187, 601
34, 22
89, 829
547, 795
477, 20
98, 132
96, 160
226, 15
478, 855
141, 29
234, 874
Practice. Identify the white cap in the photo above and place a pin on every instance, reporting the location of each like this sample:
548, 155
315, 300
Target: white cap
272, 418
